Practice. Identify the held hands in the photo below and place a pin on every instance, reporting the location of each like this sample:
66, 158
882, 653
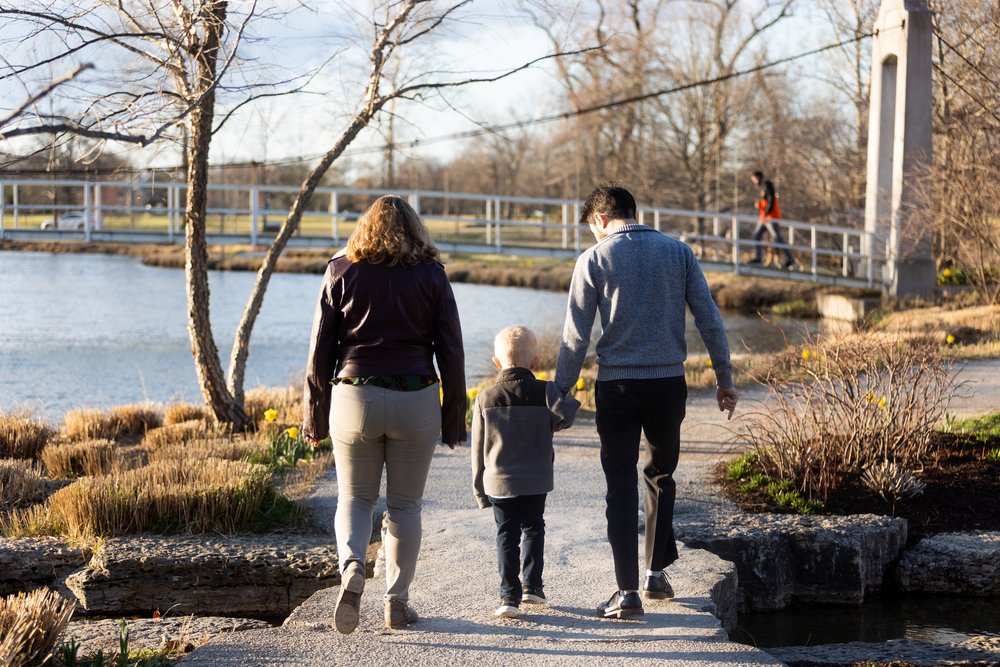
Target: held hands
727, 398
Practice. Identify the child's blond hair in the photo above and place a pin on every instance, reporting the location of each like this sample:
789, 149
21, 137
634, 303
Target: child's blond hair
516, 346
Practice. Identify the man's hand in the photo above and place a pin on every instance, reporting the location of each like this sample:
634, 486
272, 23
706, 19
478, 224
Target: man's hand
727, 398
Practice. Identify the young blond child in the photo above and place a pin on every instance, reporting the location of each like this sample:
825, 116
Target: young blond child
512, 426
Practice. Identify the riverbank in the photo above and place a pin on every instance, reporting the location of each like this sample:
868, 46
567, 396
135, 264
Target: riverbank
732, 292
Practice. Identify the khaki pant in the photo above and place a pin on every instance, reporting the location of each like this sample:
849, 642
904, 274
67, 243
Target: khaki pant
374, 428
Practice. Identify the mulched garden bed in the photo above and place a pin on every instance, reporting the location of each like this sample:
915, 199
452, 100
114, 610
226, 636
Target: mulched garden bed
962, 494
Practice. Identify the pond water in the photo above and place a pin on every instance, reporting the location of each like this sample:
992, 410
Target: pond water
938, 620
97, 330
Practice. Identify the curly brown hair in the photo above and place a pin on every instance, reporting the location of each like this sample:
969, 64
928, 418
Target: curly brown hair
390, 231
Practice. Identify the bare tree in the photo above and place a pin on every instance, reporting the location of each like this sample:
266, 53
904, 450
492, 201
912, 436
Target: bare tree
961, 197
174, 59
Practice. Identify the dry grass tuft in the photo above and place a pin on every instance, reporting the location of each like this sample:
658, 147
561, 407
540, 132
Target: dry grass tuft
185, 412
183, 433
30, 623
164, 497
22, 436
21, 483
90, 457
125, 421
287, 401
230, 449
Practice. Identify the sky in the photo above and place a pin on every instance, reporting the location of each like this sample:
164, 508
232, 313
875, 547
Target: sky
291, 38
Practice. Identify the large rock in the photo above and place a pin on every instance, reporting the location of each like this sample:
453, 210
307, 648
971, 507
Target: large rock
784, 558
264, 576
27, 563
957, 563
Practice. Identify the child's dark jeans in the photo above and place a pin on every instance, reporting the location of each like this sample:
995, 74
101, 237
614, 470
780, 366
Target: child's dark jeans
522, 515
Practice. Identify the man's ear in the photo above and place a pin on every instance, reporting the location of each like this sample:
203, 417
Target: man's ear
601, 220
534, 361
497, 363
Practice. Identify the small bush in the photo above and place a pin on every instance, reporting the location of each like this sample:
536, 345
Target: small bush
21, 483
125, 421
742, 466
89, 457
22, 436
285, 449
892, 482
841, 406
993, 456
29, 626
164, 497
184, 412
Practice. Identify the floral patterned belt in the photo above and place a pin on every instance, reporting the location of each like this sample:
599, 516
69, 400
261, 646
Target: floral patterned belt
395, 382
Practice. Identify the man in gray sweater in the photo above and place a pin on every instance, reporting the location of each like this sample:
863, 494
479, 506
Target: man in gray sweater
639, 281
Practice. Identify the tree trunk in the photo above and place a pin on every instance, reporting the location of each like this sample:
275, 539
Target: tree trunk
208, 366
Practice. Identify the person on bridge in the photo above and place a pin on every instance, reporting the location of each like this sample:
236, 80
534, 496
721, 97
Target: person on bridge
385, 311
769, 213
640, 281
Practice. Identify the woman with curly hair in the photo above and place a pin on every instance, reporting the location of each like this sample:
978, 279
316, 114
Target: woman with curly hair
385, 311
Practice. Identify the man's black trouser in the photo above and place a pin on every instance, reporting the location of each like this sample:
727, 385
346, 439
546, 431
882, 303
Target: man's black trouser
625, 410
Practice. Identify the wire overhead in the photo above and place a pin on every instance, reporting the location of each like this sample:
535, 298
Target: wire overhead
566, 115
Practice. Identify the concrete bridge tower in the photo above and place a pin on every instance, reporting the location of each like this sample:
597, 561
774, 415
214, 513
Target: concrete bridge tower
899, 148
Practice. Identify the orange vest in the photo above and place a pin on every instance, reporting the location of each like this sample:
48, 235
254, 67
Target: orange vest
775, 213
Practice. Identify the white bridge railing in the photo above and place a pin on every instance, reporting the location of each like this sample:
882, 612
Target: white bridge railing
134, 212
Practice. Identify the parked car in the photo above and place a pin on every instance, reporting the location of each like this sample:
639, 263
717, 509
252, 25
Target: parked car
69, 220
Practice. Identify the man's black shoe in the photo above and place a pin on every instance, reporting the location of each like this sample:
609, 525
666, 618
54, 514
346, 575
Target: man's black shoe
658, 587
621, 606
788, 265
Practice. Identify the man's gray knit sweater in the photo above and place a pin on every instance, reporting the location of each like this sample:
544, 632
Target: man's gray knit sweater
639, 280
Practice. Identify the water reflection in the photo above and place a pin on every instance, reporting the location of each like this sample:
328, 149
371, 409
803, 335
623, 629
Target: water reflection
932, 619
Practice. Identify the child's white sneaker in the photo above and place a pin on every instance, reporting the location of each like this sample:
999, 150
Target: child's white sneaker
507, 609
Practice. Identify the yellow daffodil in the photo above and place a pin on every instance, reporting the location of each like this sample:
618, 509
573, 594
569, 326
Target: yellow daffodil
950, 339
881, 402
708, 362
292, 432
542, 375
270, 415
806, 353
869, 397
441, 394
946, 273
580, 384
472, 393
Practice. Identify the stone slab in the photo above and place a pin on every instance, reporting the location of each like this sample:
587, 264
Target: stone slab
784, 559
952, 563
27, 563
263, 576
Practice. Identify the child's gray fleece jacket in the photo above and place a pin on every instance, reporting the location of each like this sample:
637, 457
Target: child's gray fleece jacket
512, 426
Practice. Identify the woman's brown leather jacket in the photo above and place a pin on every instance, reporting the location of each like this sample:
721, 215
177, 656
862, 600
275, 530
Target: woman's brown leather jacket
375, 319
